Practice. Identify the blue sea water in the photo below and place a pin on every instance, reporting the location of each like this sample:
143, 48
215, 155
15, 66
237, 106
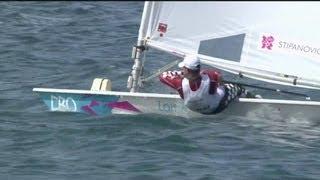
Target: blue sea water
61, 44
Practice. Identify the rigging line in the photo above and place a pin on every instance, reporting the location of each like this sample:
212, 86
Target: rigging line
270, 89
161, 70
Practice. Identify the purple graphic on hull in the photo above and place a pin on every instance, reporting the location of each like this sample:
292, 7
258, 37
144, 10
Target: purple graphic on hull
125, 105
88, 110
94, 103
95, 106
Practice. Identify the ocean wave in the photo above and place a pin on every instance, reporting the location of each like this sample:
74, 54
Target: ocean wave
44, 20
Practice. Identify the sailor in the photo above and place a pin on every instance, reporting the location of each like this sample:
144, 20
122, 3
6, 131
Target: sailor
202, 90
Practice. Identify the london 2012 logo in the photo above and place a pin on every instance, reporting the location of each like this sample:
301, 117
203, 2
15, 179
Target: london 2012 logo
267, 42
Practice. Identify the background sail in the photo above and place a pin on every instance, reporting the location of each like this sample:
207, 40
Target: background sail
272, 41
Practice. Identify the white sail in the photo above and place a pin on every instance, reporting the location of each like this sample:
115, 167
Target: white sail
271, 41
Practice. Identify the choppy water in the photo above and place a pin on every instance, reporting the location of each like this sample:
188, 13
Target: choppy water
68, 44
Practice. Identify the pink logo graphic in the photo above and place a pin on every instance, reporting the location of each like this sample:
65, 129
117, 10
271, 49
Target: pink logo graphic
124, 105
267, 42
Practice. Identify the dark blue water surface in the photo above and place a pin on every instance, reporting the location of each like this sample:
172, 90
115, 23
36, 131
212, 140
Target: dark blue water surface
68, 44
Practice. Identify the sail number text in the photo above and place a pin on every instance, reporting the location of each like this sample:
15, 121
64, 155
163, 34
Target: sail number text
169, 107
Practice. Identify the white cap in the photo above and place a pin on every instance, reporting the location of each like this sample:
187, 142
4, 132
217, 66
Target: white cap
190, 62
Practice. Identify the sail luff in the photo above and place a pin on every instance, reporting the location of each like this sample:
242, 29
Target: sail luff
144, 21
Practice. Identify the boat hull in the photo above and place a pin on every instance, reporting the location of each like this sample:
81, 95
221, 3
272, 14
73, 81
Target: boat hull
104, 103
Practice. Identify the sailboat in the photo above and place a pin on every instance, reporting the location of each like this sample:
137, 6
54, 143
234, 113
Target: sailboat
273, 42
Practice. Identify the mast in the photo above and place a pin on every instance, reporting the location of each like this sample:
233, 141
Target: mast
137, 50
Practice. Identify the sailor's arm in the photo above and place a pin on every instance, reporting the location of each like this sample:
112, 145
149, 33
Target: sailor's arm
173, 79
213, 75
215, 79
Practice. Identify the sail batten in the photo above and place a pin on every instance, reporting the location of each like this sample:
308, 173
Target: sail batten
268, 41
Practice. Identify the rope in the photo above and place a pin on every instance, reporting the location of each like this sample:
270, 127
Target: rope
161, 70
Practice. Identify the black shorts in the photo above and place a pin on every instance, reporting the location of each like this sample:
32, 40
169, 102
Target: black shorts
232, 91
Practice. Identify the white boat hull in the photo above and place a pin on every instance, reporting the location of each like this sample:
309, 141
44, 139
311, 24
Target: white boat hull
104, 103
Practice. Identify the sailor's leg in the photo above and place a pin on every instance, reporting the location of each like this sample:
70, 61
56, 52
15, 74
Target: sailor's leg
232, 91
